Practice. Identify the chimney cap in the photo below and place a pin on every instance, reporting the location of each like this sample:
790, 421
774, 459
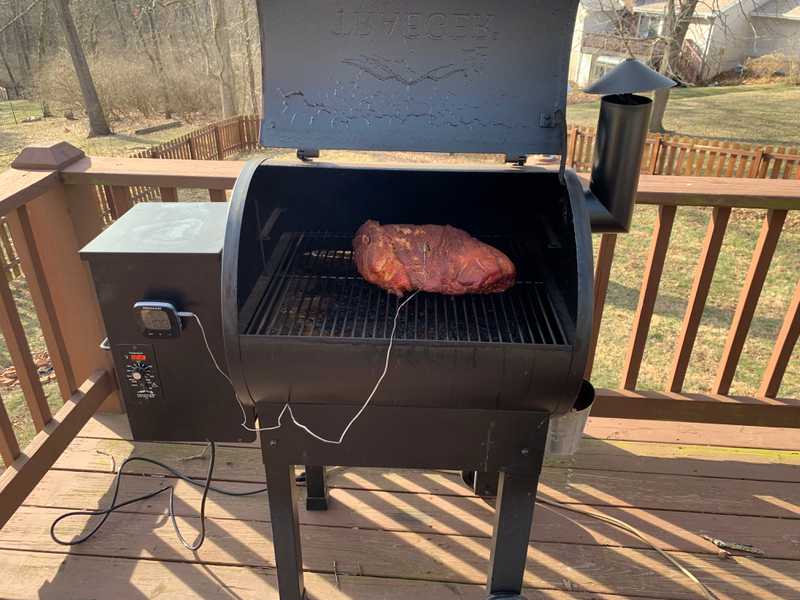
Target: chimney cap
628, 77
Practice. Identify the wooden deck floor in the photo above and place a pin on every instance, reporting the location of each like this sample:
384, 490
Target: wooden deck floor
411, 534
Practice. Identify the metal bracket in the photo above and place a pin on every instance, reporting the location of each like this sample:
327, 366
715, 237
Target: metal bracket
516, 159
549, 120
306, 154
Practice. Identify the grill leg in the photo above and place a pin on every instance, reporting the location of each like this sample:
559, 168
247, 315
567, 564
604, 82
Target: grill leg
282, 497
485, 484
316, 488
516, 495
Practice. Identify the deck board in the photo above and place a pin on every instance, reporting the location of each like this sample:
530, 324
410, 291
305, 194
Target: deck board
408, 555
430, 513
572, 485
673, 432
114, 426
69, 578
627, 451
404, 533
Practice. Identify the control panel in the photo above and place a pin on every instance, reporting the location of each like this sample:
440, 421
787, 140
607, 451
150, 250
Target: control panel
139, 372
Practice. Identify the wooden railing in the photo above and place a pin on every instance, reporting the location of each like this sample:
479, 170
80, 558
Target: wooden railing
664, 155
48, 223
52, 203
777, 198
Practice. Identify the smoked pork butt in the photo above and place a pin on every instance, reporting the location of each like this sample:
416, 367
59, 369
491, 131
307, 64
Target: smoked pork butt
432, 258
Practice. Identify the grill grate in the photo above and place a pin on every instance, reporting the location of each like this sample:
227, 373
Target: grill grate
315, 291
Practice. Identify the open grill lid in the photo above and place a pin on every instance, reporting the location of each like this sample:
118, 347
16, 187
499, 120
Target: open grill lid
416, 75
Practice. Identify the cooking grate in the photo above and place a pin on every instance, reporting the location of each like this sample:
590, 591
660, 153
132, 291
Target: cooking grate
314, 290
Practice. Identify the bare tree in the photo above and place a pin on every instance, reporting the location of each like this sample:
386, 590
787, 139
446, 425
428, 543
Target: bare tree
142, 14
94, 110
41, 51
12, 85
251, 73
201, 38
225, 75
120, 25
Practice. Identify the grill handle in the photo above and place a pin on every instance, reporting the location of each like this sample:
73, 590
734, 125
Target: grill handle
619, 144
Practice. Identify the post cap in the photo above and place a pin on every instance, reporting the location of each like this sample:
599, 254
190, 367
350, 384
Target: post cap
50, 157
629, 77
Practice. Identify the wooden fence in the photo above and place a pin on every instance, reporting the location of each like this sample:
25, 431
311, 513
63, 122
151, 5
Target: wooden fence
216, 141
673, 155
663, 155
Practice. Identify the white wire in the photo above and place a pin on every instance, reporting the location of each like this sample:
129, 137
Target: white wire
287, 406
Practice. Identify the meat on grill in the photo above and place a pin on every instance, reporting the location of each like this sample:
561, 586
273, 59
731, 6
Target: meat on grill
431, 258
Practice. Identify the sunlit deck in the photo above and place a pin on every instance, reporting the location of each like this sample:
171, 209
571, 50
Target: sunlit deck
401, 534
411, 534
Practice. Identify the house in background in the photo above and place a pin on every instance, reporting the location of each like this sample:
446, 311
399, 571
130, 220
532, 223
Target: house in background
721, 36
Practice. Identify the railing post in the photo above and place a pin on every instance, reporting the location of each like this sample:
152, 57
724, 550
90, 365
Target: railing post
218, 141
647, 296
192, 147
701, 285
755, 168
656, 155
240, 129
602, 276
121, 200
784, 344
9, 448
748, 299
573, 140
49, 231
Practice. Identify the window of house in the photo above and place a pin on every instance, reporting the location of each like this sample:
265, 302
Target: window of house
651, 26
601, 66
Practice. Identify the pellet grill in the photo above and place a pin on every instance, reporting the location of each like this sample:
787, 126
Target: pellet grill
473, 380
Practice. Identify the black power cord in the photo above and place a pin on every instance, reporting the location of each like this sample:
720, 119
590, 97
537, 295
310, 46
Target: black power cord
106, 512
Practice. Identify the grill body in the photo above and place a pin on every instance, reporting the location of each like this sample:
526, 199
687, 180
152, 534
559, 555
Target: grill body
302, 326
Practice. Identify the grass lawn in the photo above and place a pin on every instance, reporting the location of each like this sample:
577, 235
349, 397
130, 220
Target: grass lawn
14, 138
12, 112
13, 398
685, 246
763, 114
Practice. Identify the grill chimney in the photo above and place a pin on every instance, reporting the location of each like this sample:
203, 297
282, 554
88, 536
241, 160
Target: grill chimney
619, 143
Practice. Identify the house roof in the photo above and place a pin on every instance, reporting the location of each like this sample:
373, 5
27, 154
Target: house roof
780, 9
600, 5
704, 9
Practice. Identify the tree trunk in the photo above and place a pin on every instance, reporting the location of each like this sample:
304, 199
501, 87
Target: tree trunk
153, 54
201, 38
660, 100
120, 26
159, 64
676, 28
13, 92
227, 86
251, 74
94, 110
23, 42
41, 53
